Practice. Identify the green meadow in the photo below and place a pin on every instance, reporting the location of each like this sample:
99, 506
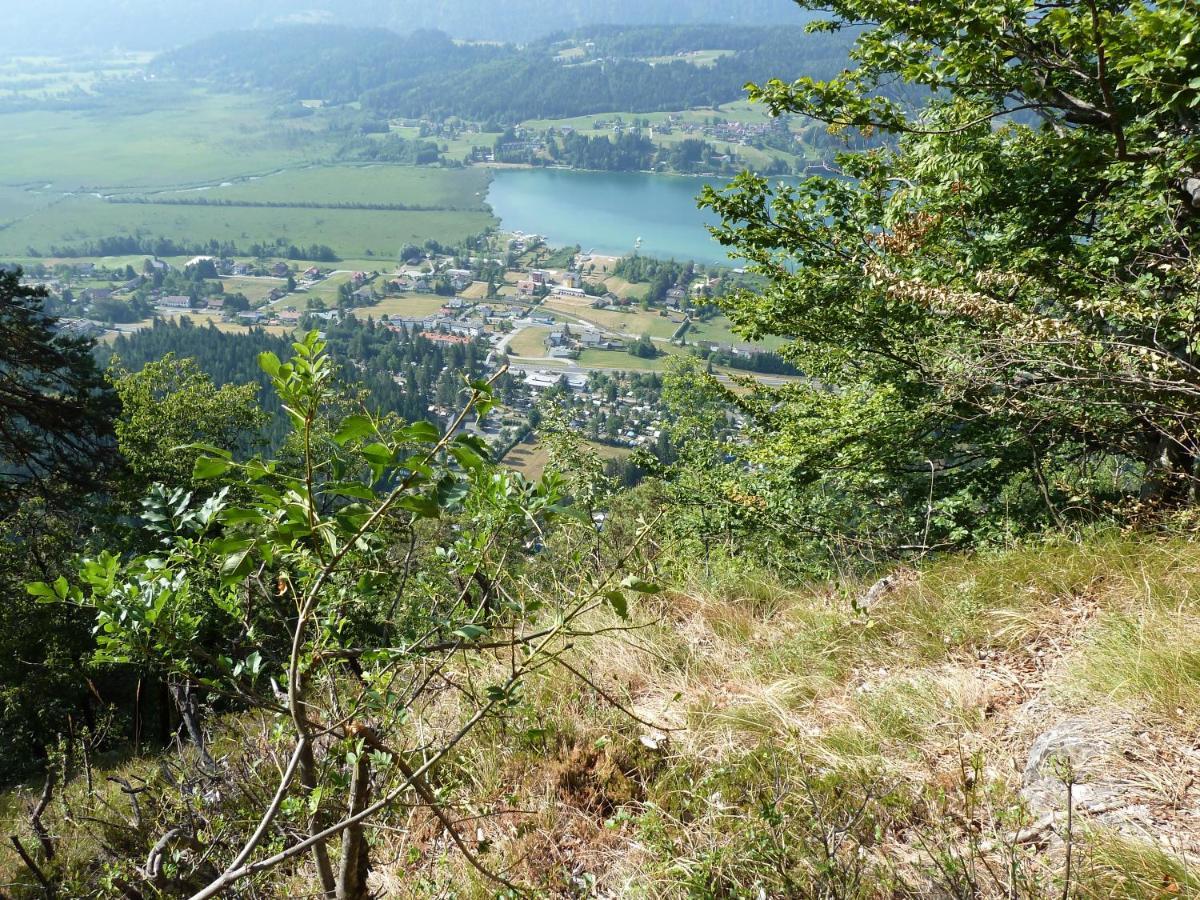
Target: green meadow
165, 143
350, 232
391, 185
162, 138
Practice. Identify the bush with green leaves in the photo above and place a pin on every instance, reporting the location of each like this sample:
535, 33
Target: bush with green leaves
362, 601
997, 311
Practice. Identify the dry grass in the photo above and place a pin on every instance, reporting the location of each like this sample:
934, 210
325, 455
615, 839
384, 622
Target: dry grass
476, 290
971, 659
775, 716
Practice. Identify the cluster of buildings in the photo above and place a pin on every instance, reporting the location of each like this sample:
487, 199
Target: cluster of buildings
625, 417
745, 133
462, 318
567, 341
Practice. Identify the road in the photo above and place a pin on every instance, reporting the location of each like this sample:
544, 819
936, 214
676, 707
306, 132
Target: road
573, 370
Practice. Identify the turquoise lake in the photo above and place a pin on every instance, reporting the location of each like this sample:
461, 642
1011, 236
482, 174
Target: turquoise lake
606, 212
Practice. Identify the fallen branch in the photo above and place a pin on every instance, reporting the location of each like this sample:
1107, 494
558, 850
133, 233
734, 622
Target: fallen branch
131, 792
1040, 826
32, 866
152, 871
35, 818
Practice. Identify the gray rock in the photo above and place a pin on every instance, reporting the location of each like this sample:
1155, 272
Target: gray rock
1191, 187
1073, 749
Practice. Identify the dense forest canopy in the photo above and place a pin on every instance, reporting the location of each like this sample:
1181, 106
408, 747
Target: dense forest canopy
432, 373
332, 63
426, 74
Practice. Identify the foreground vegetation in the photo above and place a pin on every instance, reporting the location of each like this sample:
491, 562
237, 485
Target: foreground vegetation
746, 737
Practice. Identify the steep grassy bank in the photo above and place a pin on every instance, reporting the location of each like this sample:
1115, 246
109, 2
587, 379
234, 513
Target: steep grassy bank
794, 744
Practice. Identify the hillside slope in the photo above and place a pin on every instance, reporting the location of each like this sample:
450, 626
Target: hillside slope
794, 744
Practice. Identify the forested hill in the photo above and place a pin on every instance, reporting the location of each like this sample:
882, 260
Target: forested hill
617, 74
332, 63
598, 69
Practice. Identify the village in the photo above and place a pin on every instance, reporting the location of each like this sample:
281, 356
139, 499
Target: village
571, 331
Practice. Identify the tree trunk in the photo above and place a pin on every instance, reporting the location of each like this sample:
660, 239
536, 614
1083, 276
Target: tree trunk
1170, 479
355, 866
189, 712
320, 853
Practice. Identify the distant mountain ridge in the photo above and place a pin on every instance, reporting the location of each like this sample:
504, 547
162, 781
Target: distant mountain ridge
69, 26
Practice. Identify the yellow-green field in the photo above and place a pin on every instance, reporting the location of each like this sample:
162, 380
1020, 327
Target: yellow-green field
740, 111
720, 330
619, 360
529, 342
374, 185
634, 321
350, 232
256, 289
404, 306
181, 151
530, 458
204, 318
703, 59
623, 288
476, 290
191, 137
40, 77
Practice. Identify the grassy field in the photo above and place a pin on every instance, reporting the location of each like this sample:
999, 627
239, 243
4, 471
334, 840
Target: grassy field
175, 137
476, 290
703, 59
635, 321
204, 318
623, 288
740, 111
720, 330
455, 148
448, 189
406, 306
43, 77
350, 232
529, 342
256, 289
163, 142
621, 361
528, 458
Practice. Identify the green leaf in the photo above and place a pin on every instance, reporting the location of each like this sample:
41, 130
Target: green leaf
470, 632
209, 467
269, 363
421, 504
635, 584
210, 449
238, 564
377, 454
467, 458
239, 516
353, 489
617, 601
421, 433
353, 428
44, 592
